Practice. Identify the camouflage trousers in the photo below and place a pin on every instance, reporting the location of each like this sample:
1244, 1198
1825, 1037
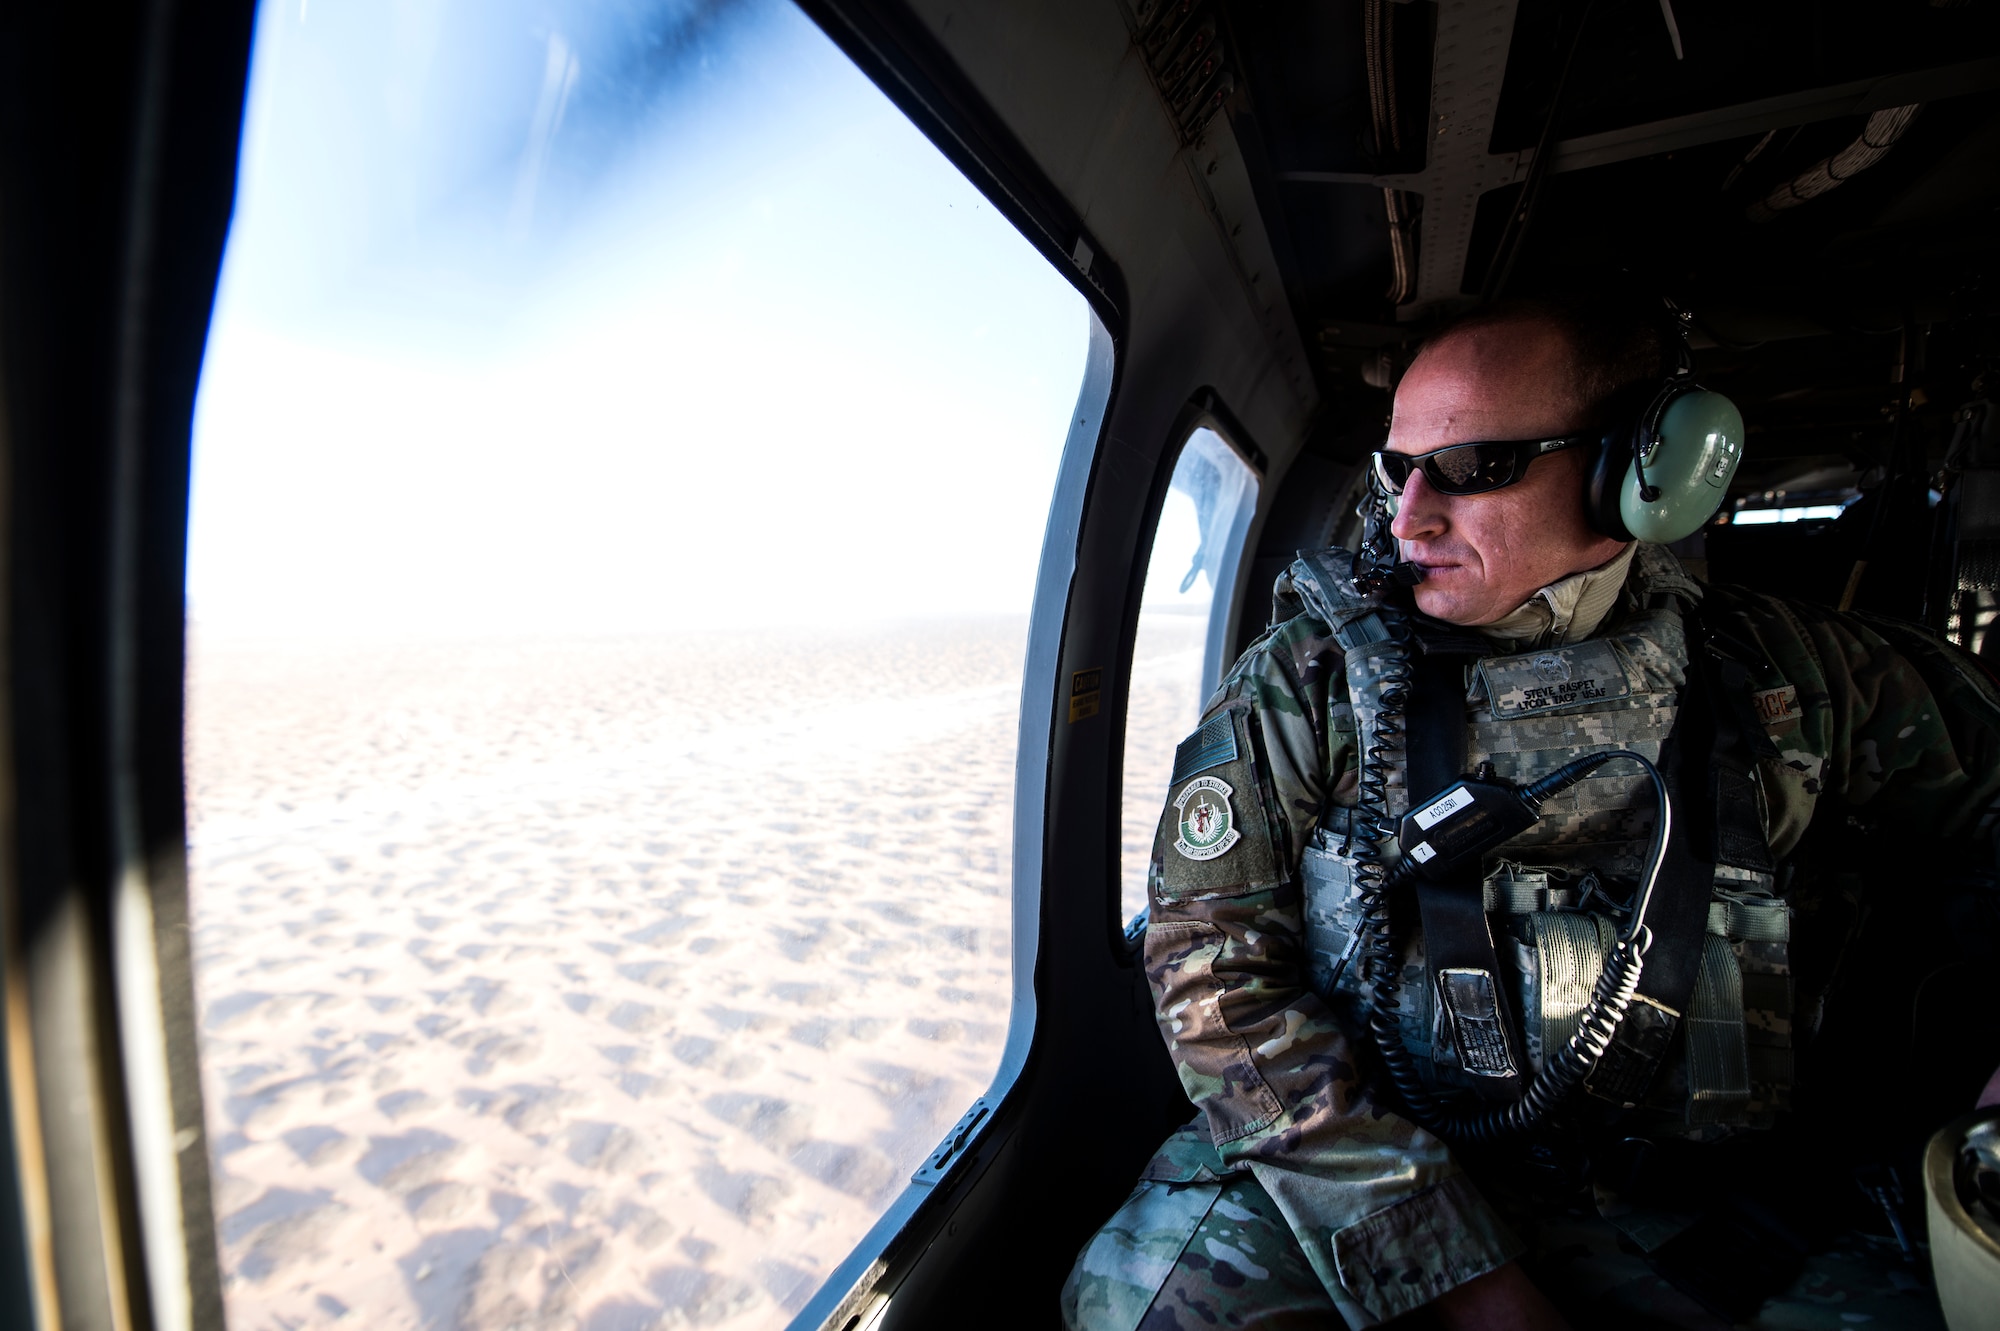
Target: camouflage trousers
1181, 1256
1201, 1250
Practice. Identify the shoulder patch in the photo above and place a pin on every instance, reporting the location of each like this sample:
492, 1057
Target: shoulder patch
1210, 746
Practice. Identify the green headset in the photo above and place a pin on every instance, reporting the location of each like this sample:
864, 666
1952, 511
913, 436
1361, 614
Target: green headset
1661, 471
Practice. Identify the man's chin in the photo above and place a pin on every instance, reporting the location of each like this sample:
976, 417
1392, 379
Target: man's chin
1440, 600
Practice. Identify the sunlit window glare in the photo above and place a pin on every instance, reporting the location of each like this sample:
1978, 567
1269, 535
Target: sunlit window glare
638, 302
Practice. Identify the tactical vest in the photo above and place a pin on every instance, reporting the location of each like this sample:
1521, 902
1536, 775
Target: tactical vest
1552, 894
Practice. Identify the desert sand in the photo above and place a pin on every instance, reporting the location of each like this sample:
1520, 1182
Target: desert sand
609, 983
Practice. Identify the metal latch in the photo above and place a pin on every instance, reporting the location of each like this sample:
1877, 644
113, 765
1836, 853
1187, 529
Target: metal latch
954, 1143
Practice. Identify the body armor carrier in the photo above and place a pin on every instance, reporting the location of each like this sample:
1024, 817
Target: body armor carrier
1553, 895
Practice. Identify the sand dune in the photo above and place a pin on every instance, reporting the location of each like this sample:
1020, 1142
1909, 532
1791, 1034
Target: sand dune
612, 984
609, 984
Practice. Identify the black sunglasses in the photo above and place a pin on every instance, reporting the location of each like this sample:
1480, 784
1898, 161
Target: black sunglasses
1470, 469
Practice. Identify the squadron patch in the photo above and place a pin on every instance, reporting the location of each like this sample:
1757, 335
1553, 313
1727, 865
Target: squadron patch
1208, 824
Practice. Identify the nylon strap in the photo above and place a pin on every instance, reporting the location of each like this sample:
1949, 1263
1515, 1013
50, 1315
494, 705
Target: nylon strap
1459, 956
1737, 741
1435, 755
1678, 915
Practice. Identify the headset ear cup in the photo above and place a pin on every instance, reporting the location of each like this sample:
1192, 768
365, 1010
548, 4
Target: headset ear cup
1610, 473
1698, 442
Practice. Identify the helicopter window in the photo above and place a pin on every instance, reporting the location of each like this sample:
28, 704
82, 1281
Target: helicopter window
622, 459
1178, 656
1751, 517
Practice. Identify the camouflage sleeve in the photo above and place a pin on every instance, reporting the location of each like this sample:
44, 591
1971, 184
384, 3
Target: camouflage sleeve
1877, 714
1382, 1212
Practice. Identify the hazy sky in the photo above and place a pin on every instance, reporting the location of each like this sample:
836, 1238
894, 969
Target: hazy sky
615, 315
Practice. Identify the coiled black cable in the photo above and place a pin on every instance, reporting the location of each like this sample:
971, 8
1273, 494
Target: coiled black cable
1381, 964
1381, 956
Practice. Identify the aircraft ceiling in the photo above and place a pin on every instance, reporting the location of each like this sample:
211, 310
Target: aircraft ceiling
1673, 121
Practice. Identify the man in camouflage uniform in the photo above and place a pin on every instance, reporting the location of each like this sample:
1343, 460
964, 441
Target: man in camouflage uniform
1300, 1196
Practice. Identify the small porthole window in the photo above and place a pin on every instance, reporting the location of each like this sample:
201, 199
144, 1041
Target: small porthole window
1184, 618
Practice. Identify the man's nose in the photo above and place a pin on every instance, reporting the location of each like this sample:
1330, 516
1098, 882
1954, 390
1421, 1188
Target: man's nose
1420, 516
